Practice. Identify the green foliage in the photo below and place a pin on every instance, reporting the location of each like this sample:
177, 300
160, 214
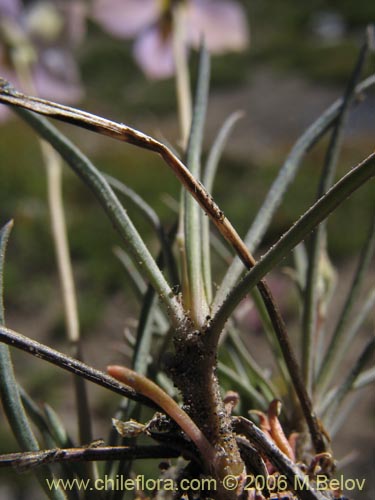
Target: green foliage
191, 319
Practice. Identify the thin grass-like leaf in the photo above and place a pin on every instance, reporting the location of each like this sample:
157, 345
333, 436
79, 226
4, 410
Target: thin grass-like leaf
349, 381
182, 70
341, 416
270, 334
280, 185
238, 364
318, 238
152, 217
10, 396
255, 370
141, 354
241, 385
4, 237
347, 337
334, 350
52, 436
139, 283
300, 261
94, 179
192, 217
208, 181
220, 248
137, 280
40, 421
217, 149
352, 181
365, 378
53, 164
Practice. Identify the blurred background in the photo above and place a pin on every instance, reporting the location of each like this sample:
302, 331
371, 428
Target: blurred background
285, 63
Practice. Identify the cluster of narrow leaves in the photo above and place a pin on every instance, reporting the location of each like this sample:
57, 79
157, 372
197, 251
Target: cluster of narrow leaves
181, 311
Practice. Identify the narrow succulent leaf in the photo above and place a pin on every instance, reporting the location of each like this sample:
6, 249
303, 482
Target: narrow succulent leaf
350, 379
150, 216
300, 260
241, 385
208, 181
140, 285
220, 248
167, 385
217, 149
334, 350
41, 422
352, 181
105, 195
238, 364
38, 418
206, 257
255, 370
270, 334
345, 340
141, 289
137, 201
69, 471
145, 330
347, 408
137, 280
318, 238
194, 148
365, 378
192, 218
10, 396
4, 237
144, 333
280, 185
253, 378
182, 70
141, 354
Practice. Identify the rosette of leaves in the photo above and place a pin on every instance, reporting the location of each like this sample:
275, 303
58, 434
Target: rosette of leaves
188, 340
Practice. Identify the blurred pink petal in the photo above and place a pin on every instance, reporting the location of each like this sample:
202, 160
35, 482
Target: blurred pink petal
154, 54
56, 76
75, 14
221, 23
125, 18
10, 76
11, 8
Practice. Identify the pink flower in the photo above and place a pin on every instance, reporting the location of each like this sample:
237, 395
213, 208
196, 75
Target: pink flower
42, 37
221, 23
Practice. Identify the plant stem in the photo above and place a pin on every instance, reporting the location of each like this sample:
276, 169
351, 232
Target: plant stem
25, 460
72, 365
145, 386
284, 465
